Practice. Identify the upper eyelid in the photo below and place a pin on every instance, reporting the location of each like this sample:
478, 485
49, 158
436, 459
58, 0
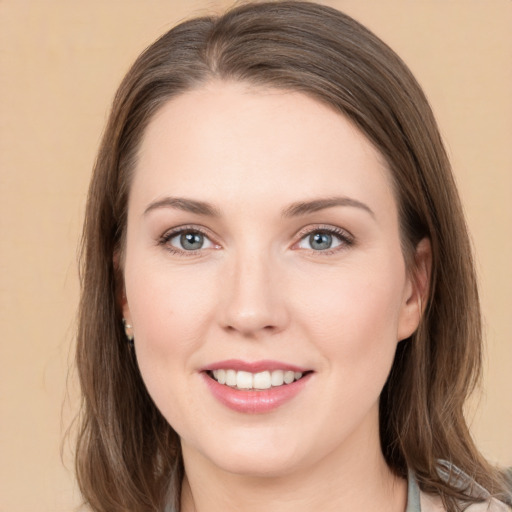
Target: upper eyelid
170, 233
300, 234
303, 231
165, 239
336, 230
344, 236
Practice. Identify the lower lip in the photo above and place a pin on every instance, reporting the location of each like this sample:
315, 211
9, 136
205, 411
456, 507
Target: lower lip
255, 402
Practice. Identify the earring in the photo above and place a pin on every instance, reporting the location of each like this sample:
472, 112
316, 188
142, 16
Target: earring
128, 330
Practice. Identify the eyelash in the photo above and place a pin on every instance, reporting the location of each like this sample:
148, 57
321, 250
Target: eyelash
169, 235
345, 238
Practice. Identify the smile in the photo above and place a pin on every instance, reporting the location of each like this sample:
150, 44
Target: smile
244, 380
255, 387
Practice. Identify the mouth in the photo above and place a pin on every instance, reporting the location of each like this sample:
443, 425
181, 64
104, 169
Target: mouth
255, 387
260, 381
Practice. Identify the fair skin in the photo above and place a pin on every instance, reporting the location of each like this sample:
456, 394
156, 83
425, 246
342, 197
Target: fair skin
284, 246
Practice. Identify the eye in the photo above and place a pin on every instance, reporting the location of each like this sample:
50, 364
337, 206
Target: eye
325, 239
186, 240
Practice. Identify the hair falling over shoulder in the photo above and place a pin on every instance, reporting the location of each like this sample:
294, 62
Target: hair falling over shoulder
128, 456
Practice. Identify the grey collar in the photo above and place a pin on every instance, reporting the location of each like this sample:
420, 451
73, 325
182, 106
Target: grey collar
413, 494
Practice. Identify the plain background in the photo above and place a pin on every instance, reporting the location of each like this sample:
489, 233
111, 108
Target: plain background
60, 62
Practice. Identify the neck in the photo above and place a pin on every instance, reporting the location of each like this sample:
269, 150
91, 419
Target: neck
345, 480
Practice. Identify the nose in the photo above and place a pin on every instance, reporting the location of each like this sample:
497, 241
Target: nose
253, 301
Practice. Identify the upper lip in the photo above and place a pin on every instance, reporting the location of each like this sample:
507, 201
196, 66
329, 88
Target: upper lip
253, 366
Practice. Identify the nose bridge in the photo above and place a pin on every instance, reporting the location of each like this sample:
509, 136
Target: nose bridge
253, 301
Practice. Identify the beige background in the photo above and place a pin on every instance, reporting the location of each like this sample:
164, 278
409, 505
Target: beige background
60, 62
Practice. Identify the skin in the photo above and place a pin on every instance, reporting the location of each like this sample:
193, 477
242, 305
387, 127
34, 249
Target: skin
258, 290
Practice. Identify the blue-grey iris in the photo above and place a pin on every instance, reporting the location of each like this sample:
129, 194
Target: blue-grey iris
320, 241
191, 241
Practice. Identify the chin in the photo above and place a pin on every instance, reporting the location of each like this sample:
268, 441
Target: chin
251, 458
258, 466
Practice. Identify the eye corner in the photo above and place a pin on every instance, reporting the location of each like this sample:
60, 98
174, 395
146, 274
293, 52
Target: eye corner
180, 240
333, 239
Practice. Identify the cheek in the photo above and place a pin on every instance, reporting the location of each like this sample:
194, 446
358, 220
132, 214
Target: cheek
353, 313
169, 311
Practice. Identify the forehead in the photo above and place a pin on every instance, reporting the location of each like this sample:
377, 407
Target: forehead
229, 140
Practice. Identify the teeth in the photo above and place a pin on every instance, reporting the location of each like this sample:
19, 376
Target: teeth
261, 380
277, 378
243, 380
230, 377
289, 377
220, 376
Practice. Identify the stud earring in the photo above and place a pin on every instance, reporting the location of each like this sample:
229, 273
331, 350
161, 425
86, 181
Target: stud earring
128, 330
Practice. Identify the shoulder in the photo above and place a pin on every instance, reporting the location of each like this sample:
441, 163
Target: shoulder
491, 505
420, 501
431, 503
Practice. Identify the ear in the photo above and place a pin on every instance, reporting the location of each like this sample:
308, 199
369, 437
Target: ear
121, 299
416, 290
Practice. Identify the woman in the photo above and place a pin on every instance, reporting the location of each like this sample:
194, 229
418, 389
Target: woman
279, 306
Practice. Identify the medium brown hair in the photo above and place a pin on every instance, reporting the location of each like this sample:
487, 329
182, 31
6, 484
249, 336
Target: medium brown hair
127, 453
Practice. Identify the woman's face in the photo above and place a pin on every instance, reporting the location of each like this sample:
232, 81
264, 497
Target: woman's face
263, 243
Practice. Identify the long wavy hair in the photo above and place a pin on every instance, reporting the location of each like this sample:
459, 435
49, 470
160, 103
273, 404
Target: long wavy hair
128, 457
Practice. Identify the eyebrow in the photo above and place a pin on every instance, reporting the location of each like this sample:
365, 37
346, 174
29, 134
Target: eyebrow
315, 205
186, 205
294, 210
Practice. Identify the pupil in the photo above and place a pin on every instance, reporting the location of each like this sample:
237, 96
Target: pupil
320, 241
191, 241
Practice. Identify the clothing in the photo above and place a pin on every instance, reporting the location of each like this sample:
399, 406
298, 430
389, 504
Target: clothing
419, 501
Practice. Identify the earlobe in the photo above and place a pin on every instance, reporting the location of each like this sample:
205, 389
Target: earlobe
122, 301
128, 330
127, 318
417, 290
